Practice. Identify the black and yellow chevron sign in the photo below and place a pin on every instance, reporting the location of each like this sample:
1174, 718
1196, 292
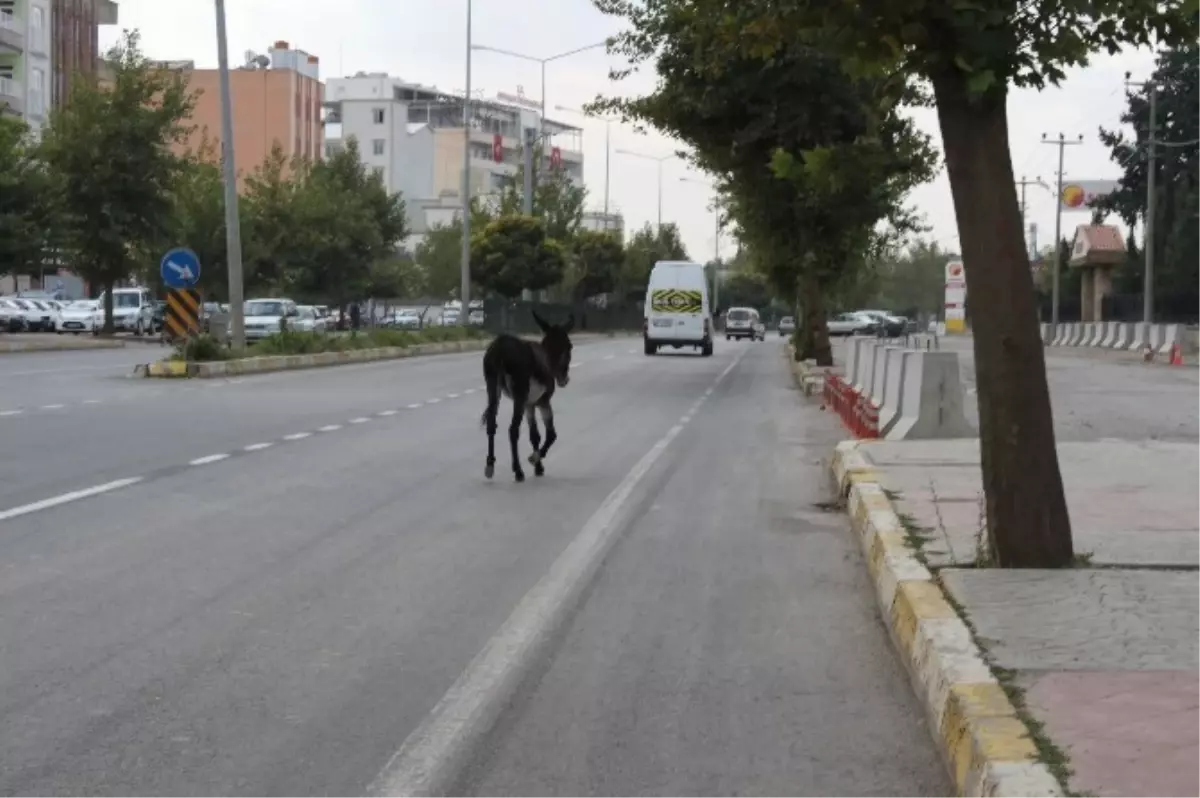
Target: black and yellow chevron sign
673, 300
182, 316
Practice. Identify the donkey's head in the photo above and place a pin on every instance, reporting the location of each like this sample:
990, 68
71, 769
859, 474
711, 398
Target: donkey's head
558, 347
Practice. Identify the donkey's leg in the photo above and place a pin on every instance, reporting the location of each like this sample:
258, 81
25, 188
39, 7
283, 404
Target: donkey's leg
535, 440
489, 420
514, 435
551, 433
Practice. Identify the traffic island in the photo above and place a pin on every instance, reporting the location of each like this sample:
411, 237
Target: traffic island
1041, 682
12, 344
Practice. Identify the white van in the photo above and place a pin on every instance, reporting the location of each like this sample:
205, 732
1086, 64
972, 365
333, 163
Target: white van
677, 311
129, 310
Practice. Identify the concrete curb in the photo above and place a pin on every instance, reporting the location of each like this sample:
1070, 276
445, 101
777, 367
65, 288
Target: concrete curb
18, 347
809, 378
985, 745
271, 363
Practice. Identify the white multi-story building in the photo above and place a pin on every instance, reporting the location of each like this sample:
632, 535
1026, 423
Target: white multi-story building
607, 222
413, 136
25, 62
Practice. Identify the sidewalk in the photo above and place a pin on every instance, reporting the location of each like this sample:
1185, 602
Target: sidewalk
1103, 658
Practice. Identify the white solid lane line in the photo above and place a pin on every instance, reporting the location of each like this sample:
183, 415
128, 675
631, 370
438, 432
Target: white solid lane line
257, 447
429, 760
212, 458
66, 498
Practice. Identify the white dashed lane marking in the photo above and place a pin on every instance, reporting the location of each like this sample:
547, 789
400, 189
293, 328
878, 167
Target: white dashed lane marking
96, 490
212, 458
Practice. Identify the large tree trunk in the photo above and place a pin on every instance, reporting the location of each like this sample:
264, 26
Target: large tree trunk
108, 307
1027, 521
814, 336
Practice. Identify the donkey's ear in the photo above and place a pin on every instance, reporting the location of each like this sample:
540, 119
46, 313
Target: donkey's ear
570, 325
541, 322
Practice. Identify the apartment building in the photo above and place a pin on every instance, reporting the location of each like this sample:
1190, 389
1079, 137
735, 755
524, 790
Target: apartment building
276, 99
25, 62
413, 136
44, 44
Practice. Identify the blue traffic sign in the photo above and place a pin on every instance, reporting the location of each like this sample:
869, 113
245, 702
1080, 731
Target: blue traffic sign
180, 268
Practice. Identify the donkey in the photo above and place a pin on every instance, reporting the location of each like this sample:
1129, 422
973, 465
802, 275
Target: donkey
527, 373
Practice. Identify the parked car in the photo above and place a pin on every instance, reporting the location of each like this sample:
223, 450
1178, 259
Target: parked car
787, 326
404, 319
449, 317
129, 310
307, 320
889, 326
12, 319
38, 314
81, 316
476, 318
264, 317
852, 323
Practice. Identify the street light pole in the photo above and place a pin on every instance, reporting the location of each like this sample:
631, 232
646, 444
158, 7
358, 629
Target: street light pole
659, 159
464, 315
233, 232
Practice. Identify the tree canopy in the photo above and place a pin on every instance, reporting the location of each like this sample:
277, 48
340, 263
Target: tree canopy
513, 254
27, 208
645, 248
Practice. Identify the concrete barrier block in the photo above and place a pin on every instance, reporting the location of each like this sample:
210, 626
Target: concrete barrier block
866, 366
893, 395
932, 402
879, 378
1074, 333
852, 352
1140, 338
1109, 334
1047, 338
1091, 331
1169, 336
1123, 336
1060, 334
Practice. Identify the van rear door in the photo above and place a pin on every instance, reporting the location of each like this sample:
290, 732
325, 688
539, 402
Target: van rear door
676, 303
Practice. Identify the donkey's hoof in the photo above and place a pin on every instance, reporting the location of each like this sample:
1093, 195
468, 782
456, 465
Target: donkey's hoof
535, 458
489, 470
539, 470
519, 476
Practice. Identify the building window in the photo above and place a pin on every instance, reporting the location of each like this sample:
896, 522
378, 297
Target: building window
37, 91
377, 146
37, 29
377, 115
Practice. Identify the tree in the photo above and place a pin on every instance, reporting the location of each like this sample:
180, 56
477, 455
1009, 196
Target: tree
513, 254
809, 158
110, 153
198, 220
27, 211
910, 280
971, 53
597, 257
271, 206
439, 254
392, 278
645, 248
1177, 187
556, 199
745, 289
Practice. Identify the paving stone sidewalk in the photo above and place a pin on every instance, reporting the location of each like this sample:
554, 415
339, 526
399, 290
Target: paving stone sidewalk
1107, 655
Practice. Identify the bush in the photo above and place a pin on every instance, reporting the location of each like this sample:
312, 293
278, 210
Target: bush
200, 348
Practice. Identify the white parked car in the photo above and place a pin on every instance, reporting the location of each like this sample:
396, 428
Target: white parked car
264, 317
129, 310
449, 318
84, 315
37, 313
404, 319
307, 319
11, 317
852, 324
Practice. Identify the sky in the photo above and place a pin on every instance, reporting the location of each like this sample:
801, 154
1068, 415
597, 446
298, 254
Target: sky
424, 41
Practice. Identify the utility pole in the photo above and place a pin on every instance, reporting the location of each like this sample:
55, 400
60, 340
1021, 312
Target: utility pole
233, 229
527, 153
1062, 143
1023, 183
464, 315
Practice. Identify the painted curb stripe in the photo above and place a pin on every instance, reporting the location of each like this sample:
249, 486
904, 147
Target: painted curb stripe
986, 747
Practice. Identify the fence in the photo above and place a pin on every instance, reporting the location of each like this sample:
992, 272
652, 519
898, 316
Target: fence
1177, 309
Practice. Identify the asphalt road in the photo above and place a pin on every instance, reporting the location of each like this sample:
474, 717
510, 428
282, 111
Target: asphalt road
1098, 394
302, 584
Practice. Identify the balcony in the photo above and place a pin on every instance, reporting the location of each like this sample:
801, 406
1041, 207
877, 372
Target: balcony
12, 97
12, 37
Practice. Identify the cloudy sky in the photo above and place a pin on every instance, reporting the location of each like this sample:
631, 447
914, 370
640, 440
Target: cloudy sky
424, 41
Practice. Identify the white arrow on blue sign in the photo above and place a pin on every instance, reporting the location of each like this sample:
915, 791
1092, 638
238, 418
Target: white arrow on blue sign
180, 268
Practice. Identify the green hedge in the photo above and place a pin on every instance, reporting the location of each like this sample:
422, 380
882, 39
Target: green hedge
207, 348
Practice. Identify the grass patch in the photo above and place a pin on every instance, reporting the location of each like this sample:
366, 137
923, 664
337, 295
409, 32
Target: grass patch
915, 536
206, 348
